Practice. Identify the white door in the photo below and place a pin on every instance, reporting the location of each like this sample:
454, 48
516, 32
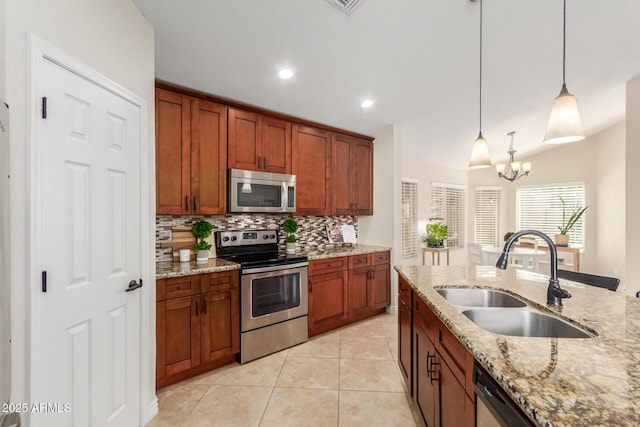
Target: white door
85, 360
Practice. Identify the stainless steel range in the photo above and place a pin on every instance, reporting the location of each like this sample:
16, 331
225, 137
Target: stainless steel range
273, 291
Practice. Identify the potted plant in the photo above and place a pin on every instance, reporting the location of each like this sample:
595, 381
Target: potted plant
508, 234
290, 226
436, 234
201, 229
562, 239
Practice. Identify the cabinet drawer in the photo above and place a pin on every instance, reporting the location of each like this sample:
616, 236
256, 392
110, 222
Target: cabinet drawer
457, 358
328, 265
404, 291
177, 287
219, 281
424, 314
381, 258
356, 261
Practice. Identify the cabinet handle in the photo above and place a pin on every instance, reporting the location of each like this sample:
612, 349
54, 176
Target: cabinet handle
204, 306
196, 308
259, 162
195, 203
264, 162
428, 365
186, 203
310, 285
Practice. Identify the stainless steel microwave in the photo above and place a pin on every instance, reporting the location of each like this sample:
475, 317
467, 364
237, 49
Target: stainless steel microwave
251, 191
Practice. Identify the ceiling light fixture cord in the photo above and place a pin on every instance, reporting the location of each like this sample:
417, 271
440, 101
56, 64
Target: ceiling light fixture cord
480, 83
564, 41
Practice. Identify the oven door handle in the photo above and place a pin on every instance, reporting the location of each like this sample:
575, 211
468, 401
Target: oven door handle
275, 268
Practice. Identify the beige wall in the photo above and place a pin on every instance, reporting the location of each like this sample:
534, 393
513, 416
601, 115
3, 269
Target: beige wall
113, 38
427, 173
598, 162
384, 228
632, 182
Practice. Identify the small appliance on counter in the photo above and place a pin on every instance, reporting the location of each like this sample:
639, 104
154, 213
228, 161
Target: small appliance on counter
251, 191
274, 302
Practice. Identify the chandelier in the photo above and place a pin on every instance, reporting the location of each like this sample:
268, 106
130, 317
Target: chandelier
513, 170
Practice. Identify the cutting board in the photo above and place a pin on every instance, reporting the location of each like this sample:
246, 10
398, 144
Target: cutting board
183, 238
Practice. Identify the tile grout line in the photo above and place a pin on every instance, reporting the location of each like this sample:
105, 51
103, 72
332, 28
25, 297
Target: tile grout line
273, 388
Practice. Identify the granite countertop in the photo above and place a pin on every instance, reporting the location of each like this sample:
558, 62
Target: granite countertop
556, 381
176, 269
335, 251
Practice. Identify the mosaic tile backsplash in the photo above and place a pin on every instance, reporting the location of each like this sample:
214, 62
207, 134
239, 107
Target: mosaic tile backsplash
311, 233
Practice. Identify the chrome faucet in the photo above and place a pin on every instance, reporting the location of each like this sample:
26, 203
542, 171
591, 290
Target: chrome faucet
555, 293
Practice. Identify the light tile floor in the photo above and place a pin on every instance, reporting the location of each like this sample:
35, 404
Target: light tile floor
347, 377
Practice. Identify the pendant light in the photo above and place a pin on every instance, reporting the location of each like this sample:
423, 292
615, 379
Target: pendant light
480, 152
564, 123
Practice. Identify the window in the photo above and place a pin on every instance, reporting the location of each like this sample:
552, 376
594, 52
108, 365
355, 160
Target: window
540, 208
409, 218
487, 215
447, 202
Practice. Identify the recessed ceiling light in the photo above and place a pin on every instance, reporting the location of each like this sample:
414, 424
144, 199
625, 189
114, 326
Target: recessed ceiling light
366, 103
285, 74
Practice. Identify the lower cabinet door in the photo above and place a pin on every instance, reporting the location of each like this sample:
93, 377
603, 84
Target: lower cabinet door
381, 285
178, 335
328, 299
456, 408
404, 342
425, 392
359, 291
220, 324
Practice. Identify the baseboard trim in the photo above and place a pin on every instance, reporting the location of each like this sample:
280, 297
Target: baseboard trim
152, 411
392, 309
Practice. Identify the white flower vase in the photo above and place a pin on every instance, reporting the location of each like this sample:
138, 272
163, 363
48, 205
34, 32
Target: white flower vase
291, 248
202, 256
561, 239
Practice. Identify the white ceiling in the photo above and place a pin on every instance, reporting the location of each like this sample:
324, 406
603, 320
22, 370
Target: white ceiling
416, 59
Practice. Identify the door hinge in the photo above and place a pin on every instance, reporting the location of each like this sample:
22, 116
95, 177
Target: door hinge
44, 107
44, 281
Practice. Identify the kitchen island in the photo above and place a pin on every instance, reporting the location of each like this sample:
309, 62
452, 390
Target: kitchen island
555, 381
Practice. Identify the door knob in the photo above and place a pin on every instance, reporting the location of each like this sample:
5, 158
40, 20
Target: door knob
133, 285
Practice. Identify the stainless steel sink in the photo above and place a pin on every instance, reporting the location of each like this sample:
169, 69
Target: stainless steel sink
480, 298
524, 323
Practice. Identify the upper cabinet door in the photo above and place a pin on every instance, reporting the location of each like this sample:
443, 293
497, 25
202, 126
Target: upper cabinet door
361, 157
173, 152
276, 146
208, 158
245, 140
352, 172
341, 203
311, 163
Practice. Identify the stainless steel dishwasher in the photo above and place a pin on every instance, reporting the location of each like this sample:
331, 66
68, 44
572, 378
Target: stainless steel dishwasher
494, 408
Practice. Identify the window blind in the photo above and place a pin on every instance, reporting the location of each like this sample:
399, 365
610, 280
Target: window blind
487, 215
540, 208
447, 202
409, 218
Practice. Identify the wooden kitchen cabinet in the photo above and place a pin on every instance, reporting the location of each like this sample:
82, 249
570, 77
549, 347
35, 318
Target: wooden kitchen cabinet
311, 163
259, 143
343, 290
195, 331
220, 325
191, 155
369, 282
405, 333
352, 176
442, 372
328, 296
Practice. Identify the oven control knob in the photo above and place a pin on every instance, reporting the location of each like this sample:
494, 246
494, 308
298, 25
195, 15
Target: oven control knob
265, 237
234, 238
273, 236
225, 239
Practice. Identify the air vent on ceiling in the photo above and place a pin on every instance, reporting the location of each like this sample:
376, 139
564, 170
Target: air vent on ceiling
346, 6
